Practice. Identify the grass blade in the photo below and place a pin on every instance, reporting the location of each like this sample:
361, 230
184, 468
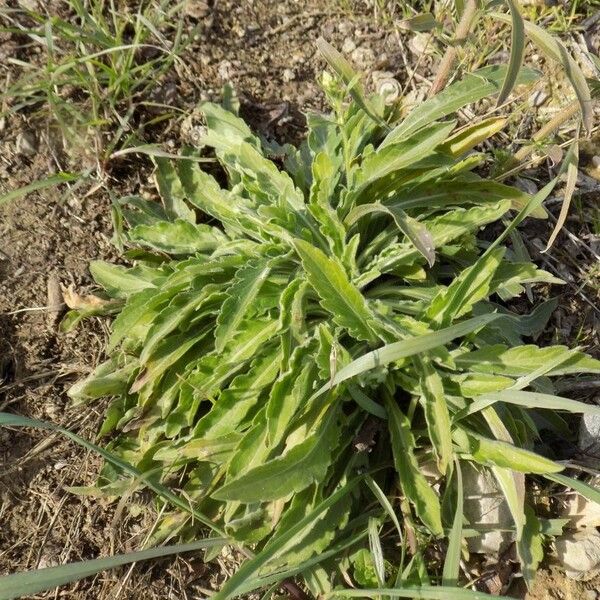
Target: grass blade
517, 51
9, 420
32, 582
586, 490
452, 562
409, 347
572, 164
41, 184
423, 592
239, 581
555, 50
531, 400
530, 548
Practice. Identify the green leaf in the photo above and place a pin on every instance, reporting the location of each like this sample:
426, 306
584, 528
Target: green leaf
346, 304
472, 135
395, 154
244, 579
414, 230
414, 592
502, 454
295, 470
472, 88
178, 237
107, 379
453, 554
413, 483
468, 288
172, 192
240, 295
405, 348
522, 360
530, 548
532, 400
118, 281
33, 582
436, 412
517, 51
241, 395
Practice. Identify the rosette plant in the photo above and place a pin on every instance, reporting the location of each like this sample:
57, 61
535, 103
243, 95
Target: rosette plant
312, 342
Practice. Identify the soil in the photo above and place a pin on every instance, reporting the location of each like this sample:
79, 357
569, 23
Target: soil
266, 50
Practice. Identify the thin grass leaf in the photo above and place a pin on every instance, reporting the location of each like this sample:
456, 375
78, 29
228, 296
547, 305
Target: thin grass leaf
585, 489
40, 184
376, 550
530, 548
423, 592
9, 420
572, 164
517, 51
241, 581
385, 503
532, 400
413, 483
451, 569
512, 485
555, 50
409, 347
33, 582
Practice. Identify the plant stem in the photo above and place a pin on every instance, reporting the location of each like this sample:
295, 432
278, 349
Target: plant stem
462, 31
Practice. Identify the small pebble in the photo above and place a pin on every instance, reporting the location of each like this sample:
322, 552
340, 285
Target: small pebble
26, 143
348, 46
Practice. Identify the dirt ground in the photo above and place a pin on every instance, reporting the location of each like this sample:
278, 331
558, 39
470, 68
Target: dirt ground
266, 50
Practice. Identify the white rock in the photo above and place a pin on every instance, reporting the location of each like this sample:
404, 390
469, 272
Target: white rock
589, 437
485, 505
26, 143
363, 58
348, 46
579, 554
288, 75
580, 511
538, 98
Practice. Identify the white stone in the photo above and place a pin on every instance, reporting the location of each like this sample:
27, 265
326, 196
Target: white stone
26, 143
363, 58
589, 437
580, 511
288, 75
579, 554
348, 46
485, 505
